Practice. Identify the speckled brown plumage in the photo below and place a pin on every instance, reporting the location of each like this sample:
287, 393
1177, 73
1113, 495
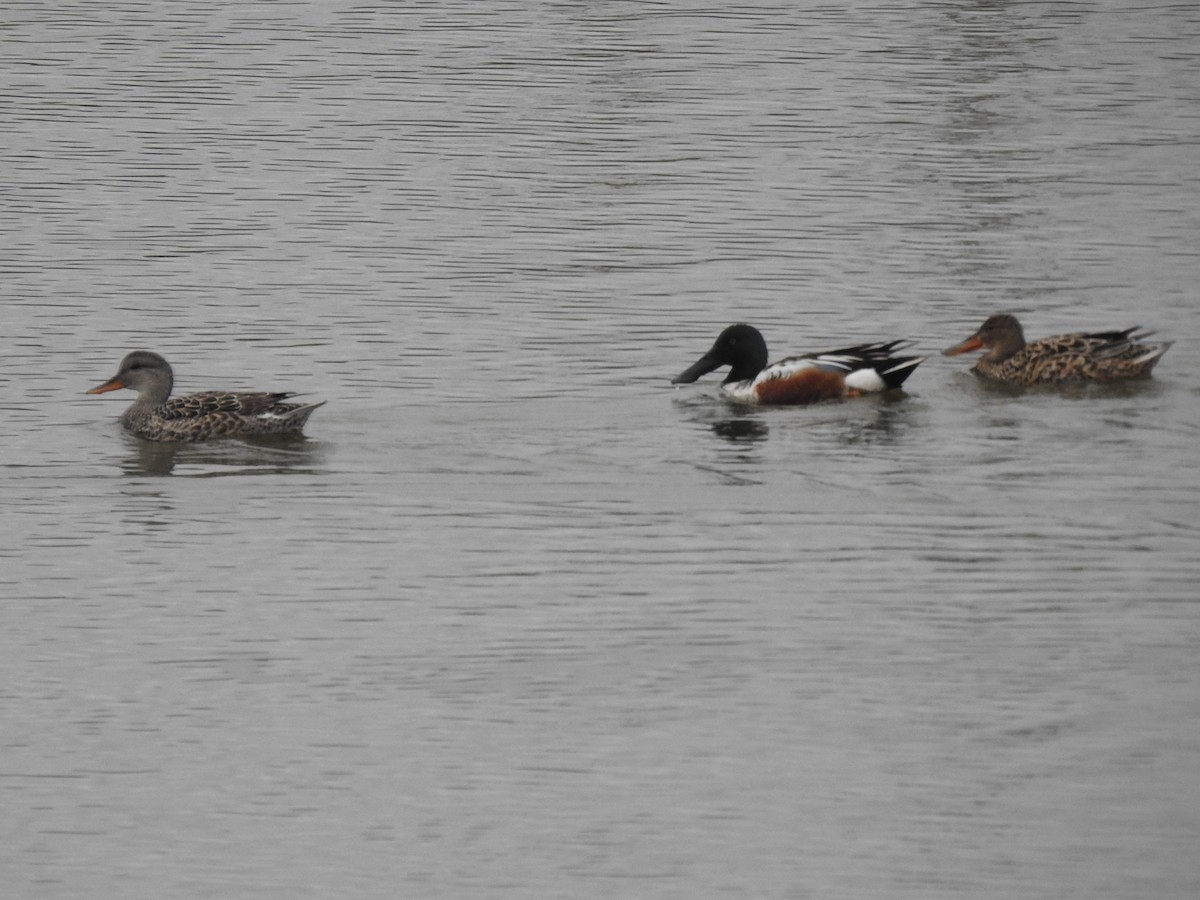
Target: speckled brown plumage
197, 417
1098, 356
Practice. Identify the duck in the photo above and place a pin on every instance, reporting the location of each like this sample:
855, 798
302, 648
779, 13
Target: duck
154, 416
810, 378
1063, 359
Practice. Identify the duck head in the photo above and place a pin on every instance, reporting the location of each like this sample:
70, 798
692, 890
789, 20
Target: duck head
741, 347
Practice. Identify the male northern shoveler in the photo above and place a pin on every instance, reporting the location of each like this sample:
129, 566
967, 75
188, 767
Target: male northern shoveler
800, 379
197, 417
1102, 356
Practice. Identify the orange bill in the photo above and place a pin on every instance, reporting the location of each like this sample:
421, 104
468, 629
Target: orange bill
113, 384
974, 342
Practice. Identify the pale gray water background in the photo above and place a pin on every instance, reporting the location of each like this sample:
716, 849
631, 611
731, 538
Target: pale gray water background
518, 619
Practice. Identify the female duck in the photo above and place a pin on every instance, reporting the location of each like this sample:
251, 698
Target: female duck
1100, 356
197, 417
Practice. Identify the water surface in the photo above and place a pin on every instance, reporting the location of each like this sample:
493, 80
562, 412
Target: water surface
518, 618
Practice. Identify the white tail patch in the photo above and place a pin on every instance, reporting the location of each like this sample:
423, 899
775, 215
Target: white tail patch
865, 380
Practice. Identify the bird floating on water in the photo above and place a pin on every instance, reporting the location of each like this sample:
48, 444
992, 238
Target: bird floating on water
197, 417
810, 378
1065, 358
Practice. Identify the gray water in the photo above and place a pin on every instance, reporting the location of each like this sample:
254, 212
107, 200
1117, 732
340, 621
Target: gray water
518, 618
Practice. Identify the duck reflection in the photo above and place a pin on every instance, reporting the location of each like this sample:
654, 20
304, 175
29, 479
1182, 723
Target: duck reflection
883, 422
269, 454
877, 419
737, 423
741, 430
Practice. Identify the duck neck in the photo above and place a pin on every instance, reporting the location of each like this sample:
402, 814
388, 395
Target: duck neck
153, 392
744, 371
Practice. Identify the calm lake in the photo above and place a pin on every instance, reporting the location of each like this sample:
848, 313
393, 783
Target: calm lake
518, 618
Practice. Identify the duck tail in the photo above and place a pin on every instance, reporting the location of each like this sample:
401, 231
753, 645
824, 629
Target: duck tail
1153, 353
294, 418
896, 370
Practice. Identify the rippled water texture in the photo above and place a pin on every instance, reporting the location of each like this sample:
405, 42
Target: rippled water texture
518, 618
